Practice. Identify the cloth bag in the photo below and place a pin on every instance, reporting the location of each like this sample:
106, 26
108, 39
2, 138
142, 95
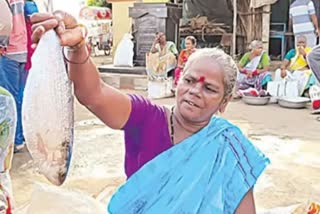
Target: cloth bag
158, 89
283, 88
124, 54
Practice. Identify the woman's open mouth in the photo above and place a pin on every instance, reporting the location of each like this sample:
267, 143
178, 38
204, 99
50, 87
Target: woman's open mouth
191, 103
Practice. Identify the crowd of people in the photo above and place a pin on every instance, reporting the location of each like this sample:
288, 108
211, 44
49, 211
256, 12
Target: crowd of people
254, 66
255, 73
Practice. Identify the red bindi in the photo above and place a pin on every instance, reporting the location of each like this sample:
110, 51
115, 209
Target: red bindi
201, 79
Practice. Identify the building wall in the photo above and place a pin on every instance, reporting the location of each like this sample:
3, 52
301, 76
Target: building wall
121, 22
266, 27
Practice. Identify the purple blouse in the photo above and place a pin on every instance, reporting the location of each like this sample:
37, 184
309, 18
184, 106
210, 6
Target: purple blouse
146, 133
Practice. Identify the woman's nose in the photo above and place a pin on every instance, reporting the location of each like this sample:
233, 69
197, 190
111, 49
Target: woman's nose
196, 88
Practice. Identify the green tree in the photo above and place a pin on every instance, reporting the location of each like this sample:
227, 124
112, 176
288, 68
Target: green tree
98, 3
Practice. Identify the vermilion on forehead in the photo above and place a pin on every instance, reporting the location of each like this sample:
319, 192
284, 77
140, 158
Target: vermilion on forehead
207, 68
201, 79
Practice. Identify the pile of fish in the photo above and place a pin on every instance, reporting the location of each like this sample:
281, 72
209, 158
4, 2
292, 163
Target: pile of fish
47, 111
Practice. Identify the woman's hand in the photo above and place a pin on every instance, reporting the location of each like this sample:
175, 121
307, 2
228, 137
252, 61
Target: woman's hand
66, 26
302, 51
107, 103
156, 39
2, 51
283, 73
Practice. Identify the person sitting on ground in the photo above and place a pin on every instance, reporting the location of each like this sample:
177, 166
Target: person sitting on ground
253, 67
295, 67
179, 159
162, 46
190, 43
162, 59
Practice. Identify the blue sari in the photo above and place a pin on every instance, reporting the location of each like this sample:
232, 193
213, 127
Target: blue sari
209, 172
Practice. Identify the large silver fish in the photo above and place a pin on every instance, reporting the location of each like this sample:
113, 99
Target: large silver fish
47, 111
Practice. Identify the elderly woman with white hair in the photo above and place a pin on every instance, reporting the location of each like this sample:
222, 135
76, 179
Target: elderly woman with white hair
183, 159
295, 67
253, 67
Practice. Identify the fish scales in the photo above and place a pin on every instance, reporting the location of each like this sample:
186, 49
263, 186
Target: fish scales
47, 112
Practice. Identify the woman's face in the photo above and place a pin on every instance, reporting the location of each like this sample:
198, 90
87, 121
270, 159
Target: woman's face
301, 43
189, 45
200, 92
162, 38
258, 50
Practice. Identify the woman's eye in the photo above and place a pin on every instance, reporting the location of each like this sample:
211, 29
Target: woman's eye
211, 90
187, 80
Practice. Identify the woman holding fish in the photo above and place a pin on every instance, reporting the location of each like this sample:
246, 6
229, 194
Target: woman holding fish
182, 159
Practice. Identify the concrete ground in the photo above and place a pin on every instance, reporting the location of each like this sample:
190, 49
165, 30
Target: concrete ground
290, 138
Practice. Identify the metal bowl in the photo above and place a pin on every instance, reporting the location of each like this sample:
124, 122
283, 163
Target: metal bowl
257, 101
315, 111
273, 100
294, 103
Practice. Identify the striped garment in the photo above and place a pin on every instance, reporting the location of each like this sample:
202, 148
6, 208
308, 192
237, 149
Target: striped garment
207, 173
300, 12
5, 24
17, 47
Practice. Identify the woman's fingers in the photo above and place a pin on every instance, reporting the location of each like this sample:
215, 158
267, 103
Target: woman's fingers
40, 17
47, 24
64, 24
40, 28
68, 20
72, 37
60, 29
42, 22
37, 34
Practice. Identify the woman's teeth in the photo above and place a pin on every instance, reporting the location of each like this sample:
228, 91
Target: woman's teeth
191, 103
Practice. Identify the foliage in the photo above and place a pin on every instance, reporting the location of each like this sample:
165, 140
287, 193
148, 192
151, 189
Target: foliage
98, 3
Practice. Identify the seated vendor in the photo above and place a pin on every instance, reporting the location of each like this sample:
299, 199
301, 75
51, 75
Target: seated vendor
190, 44
295, 67
162, 59
253, 68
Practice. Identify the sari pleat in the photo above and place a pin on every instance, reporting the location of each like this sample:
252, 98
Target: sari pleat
209, 172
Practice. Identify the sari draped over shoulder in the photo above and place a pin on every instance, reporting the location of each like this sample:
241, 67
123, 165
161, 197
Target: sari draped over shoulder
298, 62
209, 172
258, 81
299, 71
182, 60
